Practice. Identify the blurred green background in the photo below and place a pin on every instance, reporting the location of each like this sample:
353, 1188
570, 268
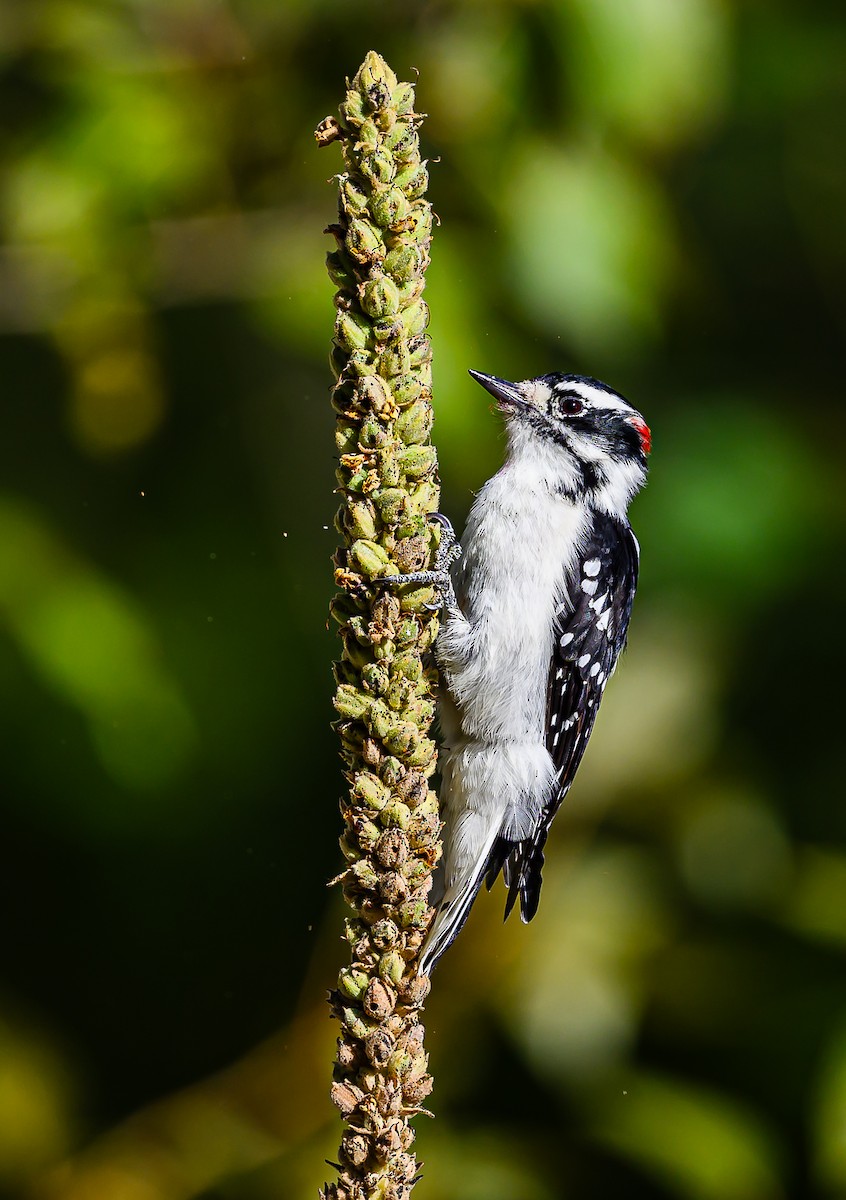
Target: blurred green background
651, 191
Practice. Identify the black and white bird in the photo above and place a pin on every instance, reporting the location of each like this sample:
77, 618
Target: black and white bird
535, 615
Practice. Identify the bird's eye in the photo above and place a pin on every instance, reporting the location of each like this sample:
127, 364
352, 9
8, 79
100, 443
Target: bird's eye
571, 406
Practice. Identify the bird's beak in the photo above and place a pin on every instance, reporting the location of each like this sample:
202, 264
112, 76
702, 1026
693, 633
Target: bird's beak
507, 395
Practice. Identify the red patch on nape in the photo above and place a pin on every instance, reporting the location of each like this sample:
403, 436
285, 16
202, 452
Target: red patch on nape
645, 433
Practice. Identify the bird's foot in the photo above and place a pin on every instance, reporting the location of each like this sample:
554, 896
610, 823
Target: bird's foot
448, 552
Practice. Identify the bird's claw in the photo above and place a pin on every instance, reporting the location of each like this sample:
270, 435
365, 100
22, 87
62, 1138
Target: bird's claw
448, 551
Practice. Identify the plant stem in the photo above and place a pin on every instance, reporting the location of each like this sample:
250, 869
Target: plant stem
388, 484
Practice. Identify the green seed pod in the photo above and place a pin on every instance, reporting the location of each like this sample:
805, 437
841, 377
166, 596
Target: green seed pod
414, 423
353, 197
352, 331
361, 519
416, 461
393, 505
389, 468
384, 651
425, 755
406, 389
385, 117
395, 814
368, 137
402, 262
375, 677
402, 98
352, 109
402, 738
408, 666
351, 703
407, 631
365, 875
346, 438
413, 180
410, 292
369, 557
363, 241
395, 360
425, 496
380, 167
415, 318
388, 205
387, 329
379, 297
358, 656
402, 141
421, 711
397, 694
368, 791
420, 350
353, 1021
391, 967
374, 74
413, 913
352, 982
361, 364
340, 269
421, 222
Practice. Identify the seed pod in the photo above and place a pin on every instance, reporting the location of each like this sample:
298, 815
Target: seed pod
369, 557
363, 241
352, 331
403, 262
352, 982
388, 206
393, 504
413, 424
380, 296
380, 1000
369, 791
351, 703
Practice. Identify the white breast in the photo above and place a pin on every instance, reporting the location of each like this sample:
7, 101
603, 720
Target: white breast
519, 547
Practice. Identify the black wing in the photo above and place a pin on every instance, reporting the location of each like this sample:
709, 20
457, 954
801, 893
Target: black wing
589, 639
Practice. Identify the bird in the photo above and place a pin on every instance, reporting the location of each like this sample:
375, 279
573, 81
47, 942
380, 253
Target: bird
535, 603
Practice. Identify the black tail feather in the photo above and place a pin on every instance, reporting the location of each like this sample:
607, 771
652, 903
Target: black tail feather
531, 876
497, 859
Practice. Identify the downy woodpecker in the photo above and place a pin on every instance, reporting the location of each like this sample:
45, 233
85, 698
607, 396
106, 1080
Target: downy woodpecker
534, 618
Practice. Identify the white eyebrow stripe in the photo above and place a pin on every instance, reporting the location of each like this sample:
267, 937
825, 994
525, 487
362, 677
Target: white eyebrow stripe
597, 398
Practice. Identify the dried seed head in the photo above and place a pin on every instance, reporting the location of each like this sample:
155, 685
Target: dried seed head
387, 477
379, 1000
345, 1096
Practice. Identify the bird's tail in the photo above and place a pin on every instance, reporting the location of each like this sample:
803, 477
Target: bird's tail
455, 906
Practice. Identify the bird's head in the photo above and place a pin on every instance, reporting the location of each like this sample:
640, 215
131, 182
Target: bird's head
583, 425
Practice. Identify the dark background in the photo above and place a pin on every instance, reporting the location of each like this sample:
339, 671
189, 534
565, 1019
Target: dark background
651, 191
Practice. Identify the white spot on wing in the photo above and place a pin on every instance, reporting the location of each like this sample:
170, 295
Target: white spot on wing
602, 622
589, 586
566, 640
591, 567
599, 603
584, 660
595, 669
